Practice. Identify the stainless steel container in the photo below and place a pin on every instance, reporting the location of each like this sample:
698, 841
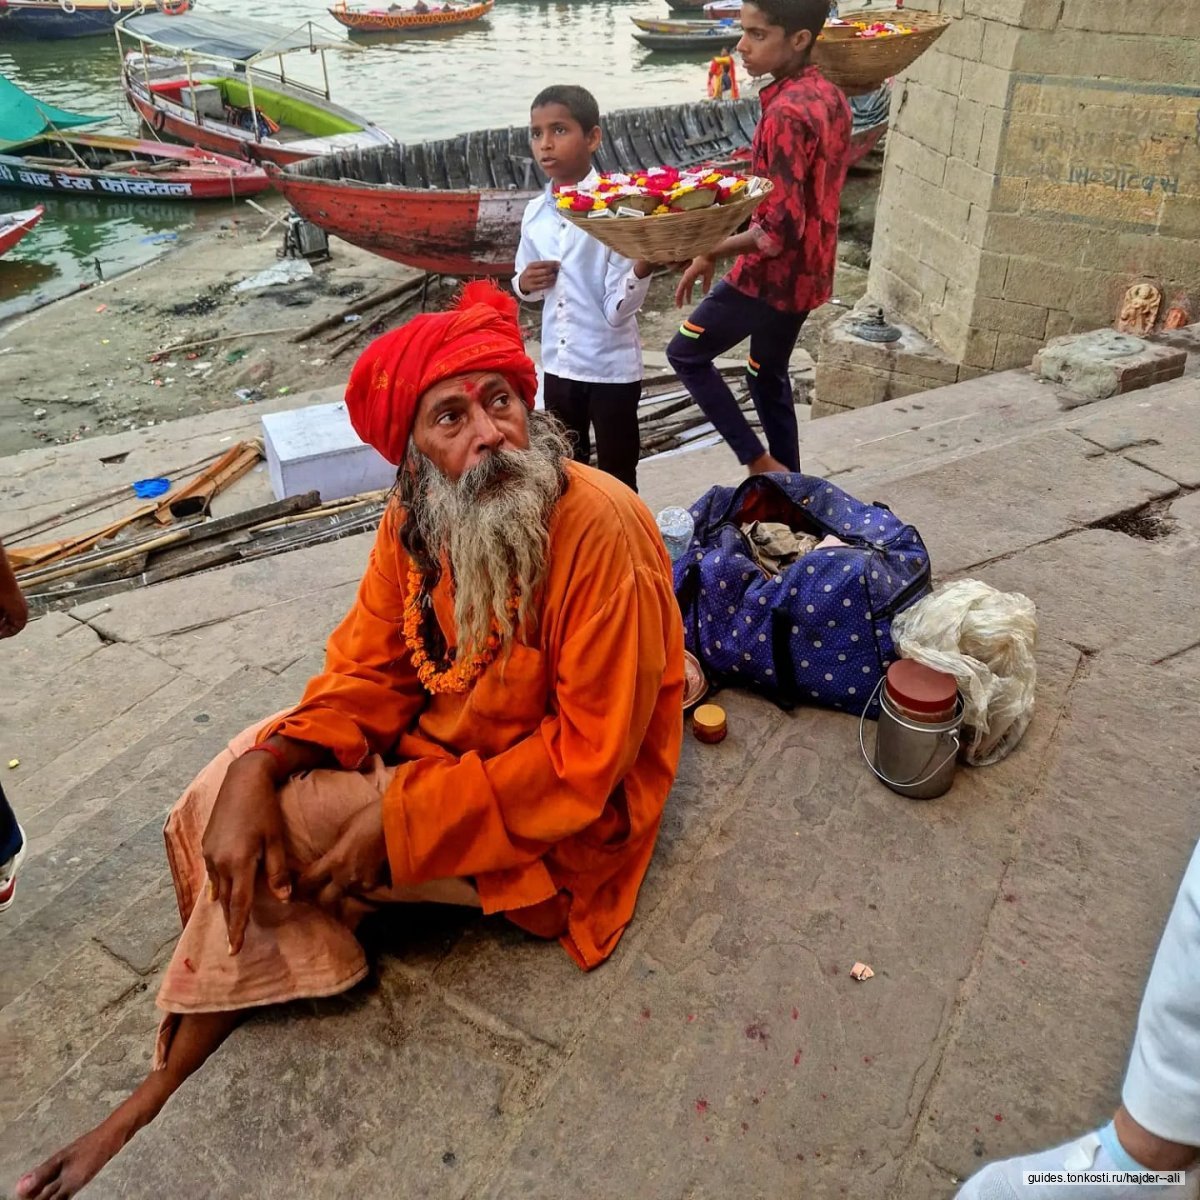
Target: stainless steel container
915, 758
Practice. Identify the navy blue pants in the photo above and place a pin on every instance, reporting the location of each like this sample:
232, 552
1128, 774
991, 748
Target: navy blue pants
724, 318
10, 835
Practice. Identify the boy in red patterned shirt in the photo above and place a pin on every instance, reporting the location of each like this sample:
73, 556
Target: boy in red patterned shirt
787, 256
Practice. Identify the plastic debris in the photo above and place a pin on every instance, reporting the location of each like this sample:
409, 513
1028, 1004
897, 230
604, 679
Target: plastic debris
148, 489
13, 763
235, 356
157, 239
351, 319
102, 308
290, 270
249, 395
861, 972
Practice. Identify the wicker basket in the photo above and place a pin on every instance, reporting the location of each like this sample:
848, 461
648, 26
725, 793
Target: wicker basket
670, 237
860, 65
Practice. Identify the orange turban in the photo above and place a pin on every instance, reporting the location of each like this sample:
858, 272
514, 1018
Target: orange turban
480, 333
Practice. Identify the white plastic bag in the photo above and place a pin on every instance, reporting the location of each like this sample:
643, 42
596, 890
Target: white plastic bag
986, 640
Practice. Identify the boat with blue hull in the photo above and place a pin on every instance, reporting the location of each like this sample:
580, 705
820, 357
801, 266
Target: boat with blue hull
53, 20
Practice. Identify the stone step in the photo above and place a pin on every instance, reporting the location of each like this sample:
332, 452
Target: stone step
112, 859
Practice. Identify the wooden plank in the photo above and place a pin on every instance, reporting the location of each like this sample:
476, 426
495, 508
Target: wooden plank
456, 163
498, 152
423, 168
643, 147
660, 138
411, 163
621, 142
478, 166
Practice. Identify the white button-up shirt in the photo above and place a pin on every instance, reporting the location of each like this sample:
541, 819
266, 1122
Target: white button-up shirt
589, 322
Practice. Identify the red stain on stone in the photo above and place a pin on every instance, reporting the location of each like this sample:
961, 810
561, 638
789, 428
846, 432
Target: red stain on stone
823, 1096
800, 1157
756, 1033
977, 1129
645, 1014
999, 1117
795, 1014
691, 1016
1022, 962
1009, 898
702, 1108
796, 1058
745, 1126
867, 1059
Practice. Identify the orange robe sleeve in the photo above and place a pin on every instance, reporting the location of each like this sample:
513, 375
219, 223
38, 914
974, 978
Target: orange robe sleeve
477, 816
368, 693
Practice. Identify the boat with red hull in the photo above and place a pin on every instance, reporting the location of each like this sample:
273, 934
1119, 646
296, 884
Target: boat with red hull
124, 168
201, 80
454, 206
15, 225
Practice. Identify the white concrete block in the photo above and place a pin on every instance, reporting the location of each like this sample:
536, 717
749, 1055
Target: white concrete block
317, 449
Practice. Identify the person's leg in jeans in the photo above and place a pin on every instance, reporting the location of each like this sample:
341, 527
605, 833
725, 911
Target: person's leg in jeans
770, 382
724, 318
1157, 1127
567, 400
614, 409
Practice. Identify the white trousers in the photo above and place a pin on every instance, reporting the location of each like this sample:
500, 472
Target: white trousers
1162, 1087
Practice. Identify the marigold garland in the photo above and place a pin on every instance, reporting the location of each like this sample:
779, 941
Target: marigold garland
458, 674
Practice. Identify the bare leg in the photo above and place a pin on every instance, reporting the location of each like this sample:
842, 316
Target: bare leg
1153, 1152
764, 464
68, 1170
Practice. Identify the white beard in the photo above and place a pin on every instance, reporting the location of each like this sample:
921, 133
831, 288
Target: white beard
493, 525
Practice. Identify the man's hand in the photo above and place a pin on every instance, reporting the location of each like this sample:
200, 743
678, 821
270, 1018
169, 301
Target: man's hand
356, 863
244, 835
14, 612
538, 277
702, 268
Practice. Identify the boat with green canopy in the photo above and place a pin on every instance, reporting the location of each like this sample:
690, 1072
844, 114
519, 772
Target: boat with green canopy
41, 152
223, 85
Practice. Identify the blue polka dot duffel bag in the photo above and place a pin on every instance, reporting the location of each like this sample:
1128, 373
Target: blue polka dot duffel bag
817, 631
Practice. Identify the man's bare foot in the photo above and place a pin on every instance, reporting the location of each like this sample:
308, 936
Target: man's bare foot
764, 464
69, 1169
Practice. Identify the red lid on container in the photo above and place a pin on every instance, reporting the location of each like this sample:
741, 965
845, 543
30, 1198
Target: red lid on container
921, 688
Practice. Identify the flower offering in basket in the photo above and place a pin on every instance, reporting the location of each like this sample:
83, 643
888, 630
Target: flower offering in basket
663, 214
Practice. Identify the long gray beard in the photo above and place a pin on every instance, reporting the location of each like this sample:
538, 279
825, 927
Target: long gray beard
493, 524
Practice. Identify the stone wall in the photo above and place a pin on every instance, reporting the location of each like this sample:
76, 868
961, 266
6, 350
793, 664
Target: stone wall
1043, 155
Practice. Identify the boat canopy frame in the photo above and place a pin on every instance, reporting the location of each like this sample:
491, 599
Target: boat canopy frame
196, 37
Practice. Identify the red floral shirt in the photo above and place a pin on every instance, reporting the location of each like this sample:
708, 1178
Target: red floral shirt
801, 145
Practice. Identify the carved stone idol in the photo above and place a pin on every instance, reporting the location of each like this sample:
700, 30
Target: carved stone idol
1139, 310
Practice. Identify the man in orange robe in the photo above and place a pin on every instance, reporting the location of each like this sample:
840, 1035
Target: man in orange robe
498, 723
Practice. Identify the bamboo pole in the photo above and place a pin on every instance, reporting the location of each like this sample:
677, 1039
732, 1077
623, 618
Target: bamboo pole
225, 337
359, 306
196, 496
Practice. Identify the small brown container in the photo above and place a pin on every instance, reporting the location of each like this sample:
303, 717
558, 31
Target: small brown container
708, 723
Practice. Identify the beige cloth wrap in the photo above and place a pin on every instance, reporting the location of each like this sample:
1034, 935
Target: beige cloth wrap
292, 950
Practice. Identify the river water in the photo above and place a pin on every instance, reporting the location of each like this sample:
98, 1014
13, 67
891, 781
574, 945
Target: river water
415, 88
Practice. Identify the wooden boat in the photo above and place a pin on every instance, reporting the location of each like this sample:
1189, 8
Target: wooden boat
659, 25
686, 5
454, 206
53, 20
81, 164
14, 226
708, 40
397, 19
721, 10
200, 80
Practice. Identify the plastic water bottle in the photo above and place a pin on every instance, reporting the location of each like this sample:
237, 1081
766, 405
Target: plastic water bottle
676, 526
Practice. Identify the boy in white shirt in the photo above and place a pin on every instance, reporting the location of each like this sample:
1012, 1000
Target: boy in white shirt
591, 351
